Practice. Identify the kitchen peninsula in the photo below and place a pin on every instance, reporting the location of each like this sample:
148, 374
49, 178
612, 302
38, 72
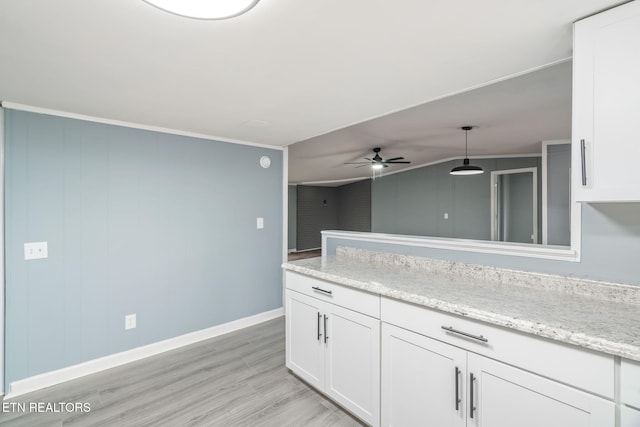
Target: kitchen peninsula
565, 348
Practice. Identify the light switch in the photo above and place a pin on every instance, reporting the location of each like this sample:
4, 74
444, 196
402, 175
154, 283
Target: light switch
260, 223
36, 250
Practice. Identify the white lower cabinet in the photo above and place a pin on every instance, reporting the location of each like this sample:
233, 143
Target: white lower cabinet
422, 380
629, 417
337, 351
504, 396
304, 348
426, 382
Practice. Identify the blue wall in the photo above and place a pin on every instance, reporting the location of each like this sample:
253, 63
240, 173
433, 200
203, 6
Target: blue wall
610, 248
142, 222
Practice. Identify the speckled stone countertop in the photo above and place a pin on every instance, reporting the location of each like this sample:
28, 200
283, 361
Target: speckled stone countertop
544, 306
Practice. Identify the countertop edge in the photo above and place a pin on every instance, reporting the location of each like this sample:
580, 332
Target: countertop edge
554, 333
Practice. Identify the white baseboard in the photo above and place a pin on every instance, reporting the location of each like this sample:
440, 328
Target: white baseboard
48, 379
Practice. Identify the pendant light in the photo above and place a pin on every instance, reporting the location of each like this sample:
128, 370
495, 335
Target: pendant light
466, 168
205, 9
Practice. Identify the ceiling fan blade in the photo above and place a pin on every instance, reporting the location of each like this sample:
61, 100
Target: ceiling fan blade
357, 163
396, 163
394, 159
361, 166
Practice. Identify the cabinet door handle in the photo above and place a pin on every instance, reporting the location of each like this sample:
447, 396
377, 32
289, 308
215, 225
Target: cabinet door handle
466, 334
472, 407
326, 336
319, 334
457, 389
317, 289
583, 162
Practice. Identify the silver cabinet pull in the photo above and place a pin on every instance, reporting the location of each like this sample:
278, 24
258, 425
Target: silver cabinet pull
319, 334
326, 336
472, 408
466, 334
583, 162
317, 289
457, 378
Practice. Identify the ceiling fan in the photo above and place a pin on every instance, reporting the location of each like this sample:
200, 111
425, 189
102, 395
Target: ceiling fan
378, 162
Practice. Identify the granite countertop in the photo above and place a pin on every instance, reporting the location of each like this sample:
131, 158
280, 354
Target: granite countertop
600, 324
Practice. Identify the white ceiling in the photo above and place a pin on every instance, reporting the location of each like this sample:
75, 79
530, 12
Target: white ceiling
509, 117
286, 71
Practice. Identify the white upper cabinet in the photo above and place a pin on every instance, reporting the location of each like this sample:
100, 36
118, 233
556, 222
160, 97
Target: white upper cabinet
606, 106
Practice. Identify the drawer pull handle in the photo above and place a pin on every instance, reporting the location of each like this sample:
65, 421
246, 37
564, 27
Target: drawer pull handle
583, 162
466, 334
326, 335
458, 400
472, 407
317, 289
319, 334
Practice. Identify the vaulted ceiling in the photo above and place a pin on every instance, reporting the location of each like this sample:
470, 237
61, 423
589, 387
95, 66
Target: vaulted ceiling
284, 72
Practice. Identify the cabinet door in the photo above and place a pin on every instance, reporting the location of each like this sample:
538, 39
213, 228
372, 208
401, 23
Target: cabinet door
606, 102
419, 379
629, 417
505, 396
304, 340
353, 362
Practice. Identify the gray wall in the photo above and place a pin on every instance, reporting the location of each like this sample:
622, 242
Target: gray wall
137, 222
610, 248
559, 194
347, 207
317, 211
354, 206
415, 202
291, 217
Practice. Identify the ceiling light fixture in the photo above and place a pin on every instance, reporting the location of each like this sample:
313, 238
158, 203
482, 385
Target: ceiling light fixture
204, 9
466, 168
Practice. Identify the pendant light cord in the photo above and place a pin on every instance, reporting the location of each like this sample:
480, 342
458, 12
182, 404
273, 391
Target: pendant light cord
466, 152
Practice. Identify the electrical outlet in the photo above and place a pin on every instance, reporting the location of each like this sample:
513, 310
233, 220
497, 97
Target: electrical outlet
129, 321
446, 215
260, 223
36, 250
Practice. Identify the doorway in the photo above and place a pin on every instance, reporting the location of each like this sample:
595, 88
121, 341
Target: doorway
514, 201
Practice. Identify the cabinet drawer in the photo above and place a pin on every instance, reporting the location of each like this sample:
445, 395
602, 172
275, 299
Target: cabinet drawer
630, 383
587, 370
343, 296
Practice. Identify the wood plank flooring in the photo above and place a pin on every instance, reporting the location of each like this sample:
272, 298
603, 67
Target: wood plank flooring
293, 256
238, 379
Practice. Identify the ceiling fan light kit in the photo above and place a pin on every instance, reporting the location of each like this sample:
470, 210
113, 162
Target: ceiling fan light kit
378, 163
204, 9
466, 168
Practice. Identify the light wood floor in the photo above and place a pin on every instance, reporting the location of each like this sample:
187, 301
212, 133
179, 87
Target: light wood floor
293, 256
238, 379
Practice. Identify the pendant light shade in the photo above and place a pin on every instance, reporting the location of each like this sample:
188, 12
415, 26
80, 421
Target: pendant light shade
466, 168
205, 9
